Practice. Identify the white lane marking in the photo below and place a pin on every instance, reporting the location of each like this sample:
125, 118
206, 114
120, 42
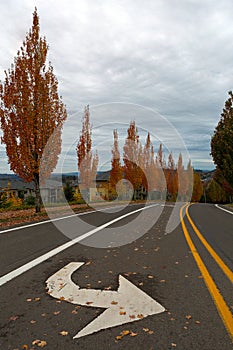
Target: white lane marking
58, 219
45, 221
9, 276
127, 304
228, 211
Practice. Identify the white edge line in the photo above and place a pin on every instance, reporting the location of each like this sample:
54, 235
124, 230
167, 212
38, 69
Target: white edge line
228, 211
58, 219
45, 222
9, 276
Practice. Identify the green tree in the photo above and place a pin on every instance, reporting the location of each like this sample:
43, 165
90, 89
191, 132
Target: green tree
216, 193
68, 191
222, 142
31, 111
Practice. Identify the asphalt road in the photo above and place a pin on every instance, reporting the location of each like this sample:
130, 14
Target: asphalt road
161, 265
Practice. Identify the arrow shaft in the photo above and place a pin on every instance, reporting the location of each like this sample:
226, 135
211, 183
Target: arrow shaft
61, 286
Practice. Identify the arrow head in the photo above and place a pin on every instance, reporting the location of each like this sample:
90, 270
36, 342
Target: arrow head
131, 304
136, 301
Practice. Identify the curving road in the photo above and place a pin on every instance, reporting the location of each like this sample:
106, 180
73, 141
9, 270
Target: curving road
162, 266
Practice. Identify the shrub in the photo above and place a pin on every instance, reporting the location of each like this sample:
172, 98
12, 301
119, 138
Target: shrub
30, 200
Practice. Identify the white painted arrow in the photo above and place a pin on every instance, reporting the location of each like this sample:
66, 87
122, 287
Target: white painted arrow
127, 304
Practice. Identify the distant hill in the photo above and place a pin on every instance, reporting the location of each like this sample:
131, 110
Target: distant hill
206, 175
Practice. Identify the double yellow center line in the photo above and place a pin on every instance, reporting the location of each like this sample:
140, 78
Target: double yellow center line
219, 301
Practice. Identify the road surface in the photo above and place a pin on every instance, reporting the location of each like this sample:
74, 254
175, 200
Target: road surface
188, 272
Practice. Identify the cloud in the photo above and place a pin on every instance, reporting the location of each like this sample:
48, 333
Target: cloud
174, 57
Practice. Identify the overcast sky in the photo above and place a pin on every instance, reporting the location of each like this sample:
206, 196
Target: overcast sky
173, 57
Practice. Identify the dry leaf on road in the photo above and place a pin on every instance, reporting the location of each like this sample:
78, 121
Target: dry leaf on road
39, 343
64, 333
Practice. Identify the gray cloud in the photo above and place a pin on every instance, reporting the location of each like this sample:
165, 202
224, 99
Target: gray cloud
174, 57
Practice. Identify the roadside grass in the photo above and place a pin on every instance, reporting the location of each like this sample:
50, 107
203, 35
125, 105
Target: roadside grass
25, 214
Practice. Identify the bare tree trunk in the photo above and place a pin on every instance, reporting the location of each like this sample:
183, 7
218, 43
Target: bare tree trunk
37, 192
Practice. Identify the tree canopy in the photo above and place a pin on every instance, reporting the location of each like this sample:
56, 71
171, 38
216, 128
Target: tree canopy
222, 142
31, 110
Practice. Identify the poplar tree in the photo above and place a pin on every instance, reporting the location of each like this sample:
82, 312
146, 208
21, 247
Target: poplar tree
171, 177
31, 110
87, 162
116, 169
133, 173
182, 178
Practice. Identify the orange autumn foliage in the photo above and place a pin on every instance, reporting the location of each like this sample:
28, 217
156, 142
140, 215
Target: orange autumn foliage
87, 162
31, 110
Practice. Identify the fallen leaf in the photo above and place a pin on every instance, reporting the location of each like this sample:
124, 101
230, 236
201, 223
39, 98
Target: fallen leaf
89, 302
13, 318
29, 300
150, 276
114, 302
64, 333
25, 346
125, 332
35, 342
119, 337
122, 313
132, 316
37, 299
162, 281
173, 344
61, 298
140, 316
56, 313
42, 344
132, 334
197, 322
32, 321
88, 263
151, 332
74, 312
146, 330
136, 249
188, 317
39, 343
